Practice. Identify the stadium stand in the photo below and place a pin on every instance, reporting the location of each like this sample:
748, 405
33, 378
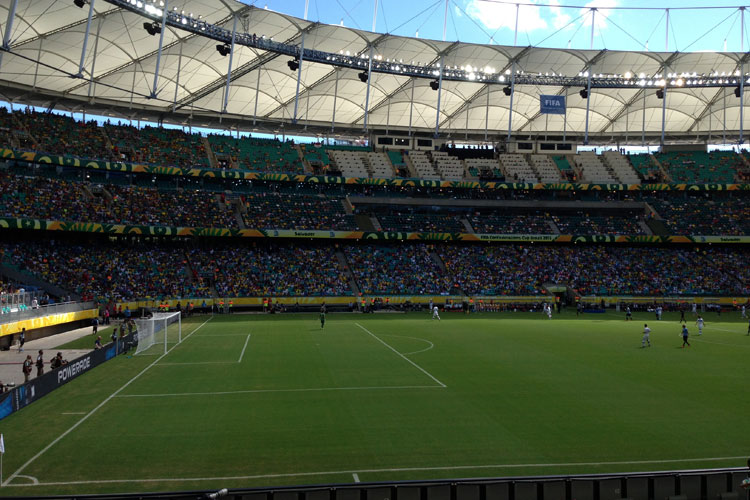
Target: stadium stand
271, 270
398, 270
545, 168
423, 166
701, 167
621, 167
592, 169
349, 163
449, 167
379, 165
267, 210
517, 169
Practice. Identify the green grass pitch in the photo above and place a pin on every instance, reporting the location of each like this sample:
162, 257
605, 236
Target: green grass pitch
252, 400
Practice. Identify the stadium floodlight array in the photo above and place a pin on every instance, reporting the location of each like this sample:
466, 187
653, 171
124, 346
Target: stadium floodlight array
487, 74
160, 328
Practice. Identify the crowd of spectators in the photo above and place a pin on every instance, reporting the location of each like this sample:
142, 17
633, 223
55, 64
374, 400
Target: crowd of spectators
510, 224
62, 135
48, 198
271, 270
590, 224
268, 210
705, 216
157, 146
118, 270
129, 269
397, 269
597, 269
184, 208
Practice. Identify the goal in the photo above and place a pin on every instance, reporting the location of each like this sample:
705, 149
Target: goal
160, 329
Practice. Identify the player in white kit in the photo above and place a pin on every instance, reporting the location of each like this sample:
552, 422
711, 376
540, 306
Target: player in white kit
646, 339
699, 322
435, 313
548, 310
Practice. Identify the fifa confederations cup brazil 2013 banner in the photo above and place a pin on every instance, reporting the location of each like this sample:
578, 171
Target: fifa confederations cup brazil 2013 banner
213, 232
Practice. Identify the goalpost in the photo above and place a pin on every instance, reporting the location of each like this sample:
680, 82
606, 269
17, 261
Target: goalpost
160, 328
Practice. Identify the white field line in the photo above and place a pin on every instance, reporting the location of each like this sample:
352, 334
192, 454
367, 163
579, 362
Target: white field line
414, 338
243, 348
402, 356
368, 471
73, 413
356, 477
262, 391
85, 417
177, 363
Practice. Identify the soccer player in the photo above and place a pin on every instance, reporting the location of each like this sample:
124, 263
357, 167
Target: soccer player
628, 314
435, 313
548, 310
685, 336
646, 339
699, 322
744, 311
322, 318
682, 316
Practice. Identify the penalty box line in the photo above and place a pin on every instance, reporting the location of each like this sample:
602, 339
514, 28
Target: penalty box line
401, 355
85, 417
267, 391
187, 363
377, 471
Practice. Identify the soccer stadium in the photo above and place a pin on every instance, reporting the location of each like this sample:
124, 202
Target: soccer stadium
338, 249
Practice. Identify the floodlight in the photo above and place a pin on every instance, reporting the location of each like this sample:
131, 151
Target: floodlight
434, 85
507, 90
660, 93
293, 64
224, 49
584, 94
363, 76
79, 3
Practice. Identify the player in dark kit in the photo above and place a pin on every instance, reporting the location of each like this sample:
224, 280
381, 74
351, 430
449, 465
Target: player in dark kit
685, 336
322, 319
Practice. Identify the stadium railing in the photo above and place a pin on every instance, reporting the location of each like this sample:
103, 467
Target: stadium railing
726, 483
46, 310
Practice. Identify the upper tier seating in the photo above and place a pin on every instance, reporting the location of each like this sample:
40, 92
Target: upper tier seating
593, 170
423, 166
546, 168
621, 167
349, 163
518, 169
698, 167
449, 167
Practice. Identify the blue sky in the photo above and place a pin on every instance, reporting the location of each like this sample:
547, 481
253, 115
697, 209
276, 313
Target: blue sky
549, 23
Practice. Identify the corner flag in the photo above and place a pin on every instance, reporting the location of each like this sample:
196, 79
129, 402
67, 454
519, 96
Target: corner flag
2, 444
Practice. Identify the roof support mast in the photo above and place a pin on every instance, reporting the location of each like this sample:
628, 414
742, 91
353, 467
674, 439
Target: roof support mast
257, 92
335, 97
367, 92
513, 77
742, 74
299, 77
440, 72
9, 28
177, 82
439, 89
92, 83
590, 74
229, 70
158, 52
86, 39
664, 90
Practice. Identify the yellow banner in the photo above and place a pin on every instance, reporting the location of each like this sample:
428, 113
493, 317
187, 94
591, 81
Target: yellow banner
40, 322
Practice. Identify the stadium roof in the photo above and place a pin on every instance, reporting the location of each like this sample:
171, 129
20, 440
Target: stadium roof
120, 62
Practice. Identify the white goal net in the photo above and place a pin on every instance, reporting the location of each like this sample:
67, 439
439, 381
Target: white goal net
158, 331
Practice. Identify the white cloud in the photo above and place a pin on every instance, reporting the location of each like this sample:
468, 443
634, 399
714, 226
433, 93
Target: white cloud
559, 18
457, 11
500, 15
